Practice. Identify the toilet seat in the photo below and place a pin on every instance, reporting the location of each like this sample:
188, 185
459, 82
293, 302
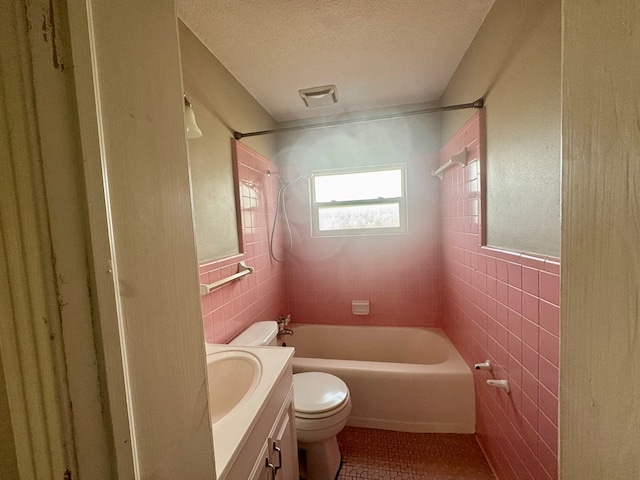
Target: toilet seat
326, 422
318, 394
327, 414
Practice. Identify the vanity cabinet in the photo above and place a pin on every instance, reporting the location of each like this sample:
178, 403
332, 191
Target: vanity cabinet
270, 451
278, 459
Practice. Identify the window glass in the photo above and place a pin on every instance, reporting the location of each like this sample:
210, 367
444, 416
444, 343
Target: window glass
359, 216
358, 186
359, 202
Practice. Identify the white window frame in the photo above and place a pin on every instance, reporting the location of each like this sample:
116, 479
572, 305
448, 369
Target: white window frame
401, 201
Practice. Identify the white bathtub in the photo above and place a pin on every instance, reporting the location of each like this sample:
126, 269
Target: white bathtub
400, 378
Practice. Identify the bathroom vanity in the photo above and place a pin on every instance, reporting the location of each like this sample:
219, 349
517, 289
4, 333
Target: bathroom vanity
251, 406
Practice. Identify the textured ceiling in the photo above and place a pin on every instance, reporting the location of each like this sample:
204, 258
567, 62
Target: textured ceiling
379, 53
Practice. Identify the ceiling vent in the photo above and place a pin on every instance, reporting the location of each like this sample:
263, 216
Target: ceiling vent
319, 96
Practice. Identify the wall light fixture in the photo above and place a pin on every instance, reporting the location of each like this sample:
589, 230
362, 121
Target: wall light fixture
193, 131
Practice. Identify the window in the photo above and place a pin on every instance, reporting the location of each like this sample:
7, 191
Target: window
359, 201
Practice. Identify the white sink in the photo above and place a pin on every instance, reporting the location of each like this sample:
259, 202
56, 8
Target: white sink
233, 376
241, 380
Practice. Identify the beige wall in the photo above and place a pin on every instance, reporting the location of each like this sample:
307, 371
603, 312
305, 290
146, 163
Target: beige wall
514, 62
222, 106
600, 348
8, 462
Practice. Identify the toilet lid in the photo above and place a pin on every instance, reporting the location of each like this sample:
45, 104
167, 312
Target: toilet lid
315, 392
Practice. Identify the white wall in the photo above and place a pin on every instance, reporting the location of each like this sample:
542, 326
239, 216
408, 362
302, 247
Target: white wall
143, 246
600, 323
361, 144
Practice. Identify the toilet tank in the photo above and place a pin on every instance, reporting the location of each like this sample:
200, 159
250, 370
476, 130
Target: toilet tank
260, 334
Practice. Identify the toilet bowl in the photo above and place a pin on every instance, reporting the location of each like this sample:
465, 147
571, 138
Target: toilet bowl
322, 403
322, 406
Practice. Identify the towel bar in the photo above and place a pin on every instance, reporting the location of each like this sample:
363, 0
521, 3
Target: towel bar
243, 269
460, 158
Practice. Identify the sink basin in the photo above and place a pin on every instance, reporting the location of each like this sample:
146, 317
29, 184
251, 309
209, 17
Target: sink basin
233, 376
242, 380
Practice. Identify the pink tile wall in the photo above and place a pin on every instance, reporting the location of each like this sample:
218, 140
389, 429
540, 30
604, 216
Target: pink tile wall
503, 306
398, 274
259, 296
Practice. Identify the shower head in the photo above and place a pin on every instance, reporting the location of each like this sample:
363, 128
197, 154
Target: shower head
285, 182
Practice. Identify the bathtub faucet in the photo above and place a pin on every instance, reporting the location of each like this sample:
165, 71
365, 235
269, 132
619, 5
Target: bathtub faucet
283, 321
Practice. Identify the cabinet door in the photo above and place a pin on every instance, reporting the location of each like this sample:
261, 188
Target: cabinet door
261, 471
284, 446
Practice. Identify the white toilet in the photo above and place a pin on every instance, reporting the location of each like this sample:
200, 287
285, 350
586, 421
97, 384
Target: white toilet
322, 403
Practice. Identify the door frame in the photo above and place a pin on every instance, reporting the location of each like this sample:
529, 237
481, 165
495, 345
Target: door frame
99, 279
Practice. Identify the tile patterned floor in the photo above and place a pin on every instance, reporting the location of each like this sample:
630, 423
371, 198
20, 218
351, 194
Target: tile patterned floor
384, 455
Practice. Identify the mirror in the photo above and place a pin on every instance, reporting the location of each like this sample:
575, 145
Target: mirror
221, 106
210, 159
213, 191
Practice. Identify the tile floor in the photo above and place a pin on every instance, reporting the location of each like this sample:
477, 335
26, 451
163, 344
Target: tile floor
385, 455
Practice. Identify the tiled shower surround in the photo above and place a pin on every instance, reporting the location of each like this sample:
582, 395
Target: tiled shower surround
503, 306
398, 274
493, 304
229, 310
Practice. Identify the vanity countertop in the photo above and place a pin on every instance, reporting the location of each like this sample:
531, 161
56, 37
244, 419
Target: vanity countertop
232, 431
